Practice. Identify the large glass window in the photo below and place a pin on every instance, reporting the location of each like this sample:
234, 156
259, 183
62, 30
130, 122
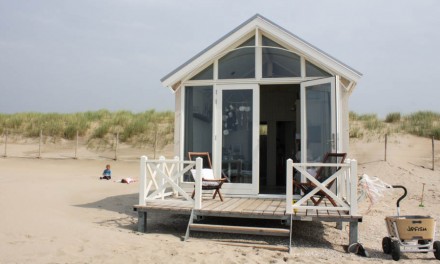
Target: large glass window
198, 120
205, 74
318, 121
237, 135
278, 62
314, 71
239, 63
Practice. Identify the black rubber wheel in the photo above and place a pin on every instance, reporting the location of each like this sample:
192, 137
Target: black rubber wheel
386, 245
362, 252
395, 252
437, 249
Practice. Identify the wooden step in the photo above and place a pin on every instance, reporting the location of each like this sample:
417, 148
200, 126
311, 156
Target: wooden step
240, 230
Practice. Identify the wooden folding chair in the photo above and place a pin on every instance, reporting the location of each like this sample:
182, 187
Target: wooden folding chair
322, 174
208, 180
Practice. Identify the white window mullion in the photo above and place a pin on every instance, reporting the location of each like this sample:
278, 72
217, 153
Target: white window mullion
303, 67
258, 55
215, 70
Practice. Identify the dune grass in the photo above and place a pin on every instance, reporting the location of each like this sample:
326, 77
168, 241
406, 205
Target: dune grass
155, 129
98, 127
393, 117
422, 123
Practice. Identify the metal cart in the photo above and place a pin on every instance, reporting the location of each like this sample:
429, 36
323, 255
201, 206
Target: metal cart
412, 233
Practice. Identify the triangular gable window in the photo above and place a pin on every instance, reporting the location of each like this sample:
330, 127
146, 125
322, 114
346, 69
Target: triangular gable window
314, 71
278, 62
205, 74
239, 63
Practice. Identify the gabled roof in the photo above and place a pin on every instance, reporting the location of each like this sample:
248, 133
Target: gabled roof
258, 21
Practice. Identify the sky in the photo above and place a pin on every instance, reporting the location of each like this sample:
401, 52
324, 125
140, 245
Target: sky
85, 55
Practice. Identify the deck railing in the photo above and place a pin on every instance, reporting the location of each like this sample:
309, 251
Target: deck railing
162, 174
345, 196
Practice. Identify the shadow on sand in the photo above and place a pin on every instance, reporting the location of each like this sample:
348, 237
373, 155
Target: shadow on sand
127, 218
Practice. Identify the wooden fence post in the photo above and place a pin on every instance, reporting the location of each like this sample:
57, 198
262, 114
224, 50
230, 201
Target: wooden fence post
386, 141
39, 145
76, 146
116, 146
6, 143
433, 153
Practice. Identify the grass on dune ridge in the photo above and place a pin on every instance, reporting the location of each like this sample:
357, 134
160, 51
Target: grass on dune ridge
99, 127
151, 127
421, 123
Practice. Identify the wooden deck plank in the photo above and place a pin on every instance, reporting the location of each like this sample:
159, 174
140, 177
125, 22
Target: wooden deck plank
222, 205
252, 206
243, 205
261, 208
207, 202
281, 209
214, 204
270, 210
235, 205
168, 203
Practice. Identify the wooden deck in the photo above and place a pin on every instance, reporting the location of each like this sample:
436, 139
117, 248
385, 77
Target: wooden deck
259, 208
251, 208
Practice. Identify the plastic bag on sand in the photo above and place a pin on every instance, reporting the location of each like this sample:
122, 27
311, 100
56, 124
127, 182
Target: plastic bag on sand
373, 189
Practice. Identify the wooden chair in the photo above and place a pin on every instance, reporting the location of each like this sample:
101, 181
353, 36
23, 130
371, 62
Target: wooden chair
322, 174
208, 180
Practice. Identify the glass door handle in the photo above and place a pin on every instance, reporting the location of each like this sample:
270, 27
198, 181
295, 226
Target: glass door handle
332, 141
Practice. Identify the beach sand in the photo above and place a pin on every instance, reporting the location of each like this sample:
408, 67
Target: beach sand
58, 211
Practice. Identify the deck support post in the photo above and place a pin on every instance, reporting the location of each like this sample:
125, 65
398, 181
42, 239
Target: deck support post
353, 233
142, 222
340, 225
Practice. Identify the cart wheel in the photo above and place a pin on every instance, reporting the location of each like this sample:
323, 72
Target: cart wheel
386, 245
395, 251
437, 249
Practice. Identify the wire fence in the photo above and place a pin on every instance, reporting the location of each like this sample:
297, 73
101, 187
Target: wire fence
421, 152
415, 150
14, 145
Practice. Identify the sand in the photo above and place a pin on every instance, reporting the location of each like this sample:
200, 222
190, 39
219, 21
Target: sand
56, 210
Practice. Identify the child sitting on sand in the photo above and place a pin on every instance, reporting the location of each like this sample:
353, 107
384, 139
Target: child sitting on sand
106, 174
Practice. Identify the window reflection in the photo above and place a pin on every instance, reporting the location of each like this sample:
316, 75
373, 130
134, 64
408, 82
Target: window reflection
239, 63
278, 62
314, 71
237, 135
198, 121
205, 74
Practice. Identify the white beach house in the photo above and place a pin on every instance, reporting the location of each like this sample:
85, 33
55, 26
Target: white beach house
257, 97
265, 105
